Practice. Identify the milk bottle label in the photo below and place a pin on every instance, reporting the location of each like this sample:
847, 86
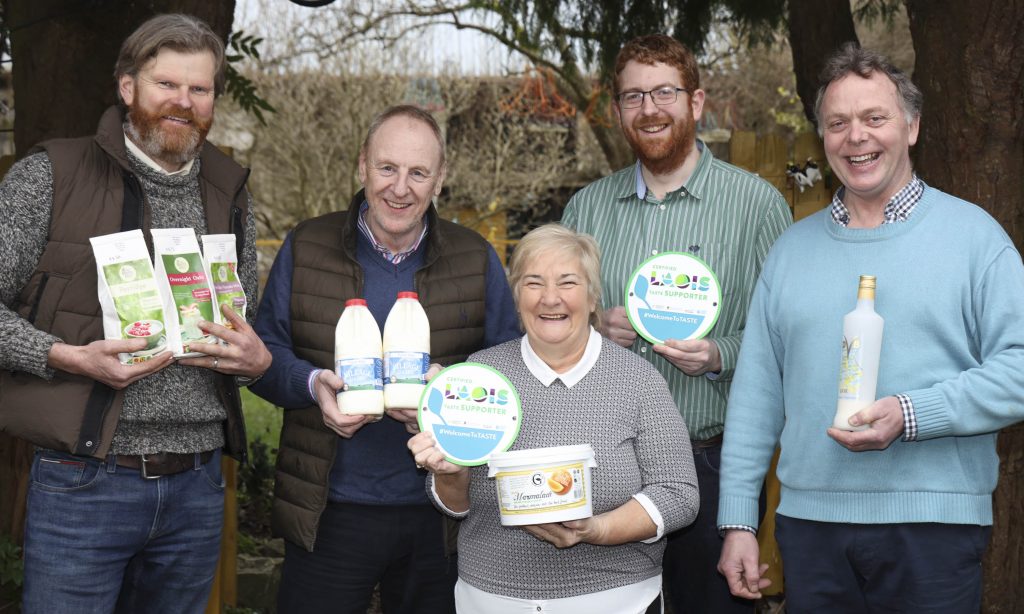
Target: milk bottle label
360, 373
406, 367
673, 295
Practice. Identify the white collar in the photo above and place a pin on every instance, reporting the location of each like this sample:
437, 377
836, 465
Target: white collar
141, 155
570, 378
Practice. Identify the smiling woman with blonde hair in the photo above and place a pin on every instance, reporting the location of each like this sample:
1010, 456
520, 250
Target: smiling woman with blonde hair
576, 388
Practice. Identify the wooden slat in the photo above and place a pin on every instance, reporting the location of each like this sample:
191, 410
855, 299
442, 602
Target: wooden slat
225, 582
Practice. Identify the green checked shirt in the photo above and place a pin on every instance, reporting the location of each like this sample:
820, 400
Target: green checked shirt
724, 215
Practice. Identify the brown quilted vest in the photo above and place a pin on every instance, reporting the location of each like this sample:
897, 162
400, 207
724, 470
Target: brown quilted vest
95, 193
451, 287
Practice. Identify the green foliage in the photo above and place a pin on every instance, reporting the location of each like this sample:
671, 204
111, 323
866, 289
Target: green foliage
12, 569
12, 574
869, 11
788, 112
256, 490
262, 420
598, 29
248, 544
256, 478
240, 87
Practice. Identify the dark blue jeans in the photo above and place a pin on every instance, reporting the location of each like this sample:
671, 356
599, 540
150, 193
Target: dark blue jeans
100, 538
692, 582
873, 568
401, 547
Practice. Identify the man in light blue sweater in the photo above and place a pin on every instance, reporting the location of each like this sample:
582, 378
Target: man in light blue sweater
895, 517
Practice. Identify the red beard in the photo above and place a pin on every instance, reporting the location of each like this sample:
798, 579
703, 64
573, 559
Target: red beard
162, 140
666, 154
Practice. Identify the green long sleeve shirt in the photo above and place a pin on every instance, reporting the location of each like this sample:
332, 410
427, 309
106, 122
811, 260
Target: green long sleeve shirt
724, 215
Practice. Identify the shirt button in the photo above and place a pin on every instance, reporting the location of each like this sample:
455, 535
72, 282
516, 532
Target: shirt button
662, 207
643, 348
654, 252
539, 608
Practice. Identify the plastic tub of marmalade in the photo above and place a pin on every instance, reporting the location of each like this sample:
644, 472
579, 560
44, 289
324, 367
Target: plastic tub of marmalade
543, 485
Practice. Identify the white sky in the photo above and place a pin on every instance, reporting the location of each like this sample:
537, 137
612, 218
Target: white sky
438, 49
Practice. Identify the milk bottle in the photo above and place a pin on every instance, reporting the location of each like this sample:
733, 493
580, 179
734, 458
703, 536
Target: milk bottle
357, 361
406, 352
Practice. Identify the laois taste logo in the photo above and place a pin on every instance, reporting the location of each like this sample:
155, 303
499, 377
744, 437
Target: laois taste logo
476, 394
682, 281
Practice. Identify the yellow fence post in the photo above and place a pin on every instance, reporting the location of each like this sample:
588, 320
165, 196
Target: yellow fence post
225, 581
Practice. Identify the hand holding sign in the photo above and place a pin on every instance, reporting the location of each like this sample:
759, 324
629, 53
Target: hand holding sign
472, 411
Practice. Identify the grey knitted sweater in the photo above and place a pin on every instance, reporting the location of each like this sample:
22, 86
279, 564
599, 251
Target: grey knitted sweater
173, 410
622, 408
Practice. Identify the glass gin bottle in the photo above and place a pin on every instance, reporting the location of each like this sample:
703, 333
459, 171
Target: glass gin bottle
862, 348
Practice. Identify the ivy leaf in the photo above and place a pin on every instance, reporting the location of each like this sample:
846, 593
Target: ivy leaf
241, 88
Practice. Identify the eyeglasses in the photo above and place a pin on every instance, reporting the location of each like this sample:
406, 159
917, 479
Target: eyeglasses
660, 96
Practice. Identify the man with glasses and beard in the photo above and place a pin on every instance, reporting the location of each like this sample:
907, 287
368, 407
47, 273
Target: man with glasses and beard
679, 198
125, 505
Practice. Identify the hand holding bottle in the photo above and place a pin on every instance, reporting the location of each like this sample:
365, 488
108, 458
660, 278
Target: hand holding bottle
858, 366
884, 419
409, 416
326, 387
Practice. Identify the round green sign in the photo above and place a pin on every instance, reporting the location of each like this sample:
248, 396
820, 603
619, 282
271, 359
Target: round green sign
673, 295
472, 410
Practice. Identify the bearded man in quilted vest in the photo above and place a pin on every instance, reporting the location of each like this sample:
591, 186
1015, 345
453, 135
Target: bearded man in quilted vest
125, 504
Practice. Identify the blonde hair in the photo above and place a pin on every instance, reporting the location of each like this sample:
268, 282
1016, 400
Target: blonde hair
569, 243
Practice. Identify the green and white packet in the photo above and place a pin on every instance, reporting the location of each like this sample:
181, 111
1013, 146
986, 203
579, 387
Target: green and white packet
128, 293
185, 285
222, 262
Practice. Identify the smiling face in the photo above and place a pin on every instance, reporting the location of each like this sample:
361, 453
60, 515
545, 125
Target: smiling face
661, 136
867, 139
555, 307
401, 171
170, 105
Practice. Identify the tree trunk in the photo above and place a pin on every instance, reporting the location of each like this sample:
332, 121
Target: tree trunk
817, 28
613, 144
970, 67
63, 55
578, 90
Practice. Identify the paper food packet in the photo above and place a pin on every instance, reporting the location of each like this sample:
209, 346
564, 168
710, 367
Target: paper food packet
185, 285
222, 262
128, 293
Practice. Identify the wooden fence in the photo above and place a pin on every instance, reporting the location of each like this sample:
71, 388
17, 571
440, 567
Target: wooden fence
767, 155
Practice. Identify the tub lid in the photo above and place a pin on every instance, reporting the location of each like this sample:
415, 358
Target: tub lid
518, 459
673, 295
472, 410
